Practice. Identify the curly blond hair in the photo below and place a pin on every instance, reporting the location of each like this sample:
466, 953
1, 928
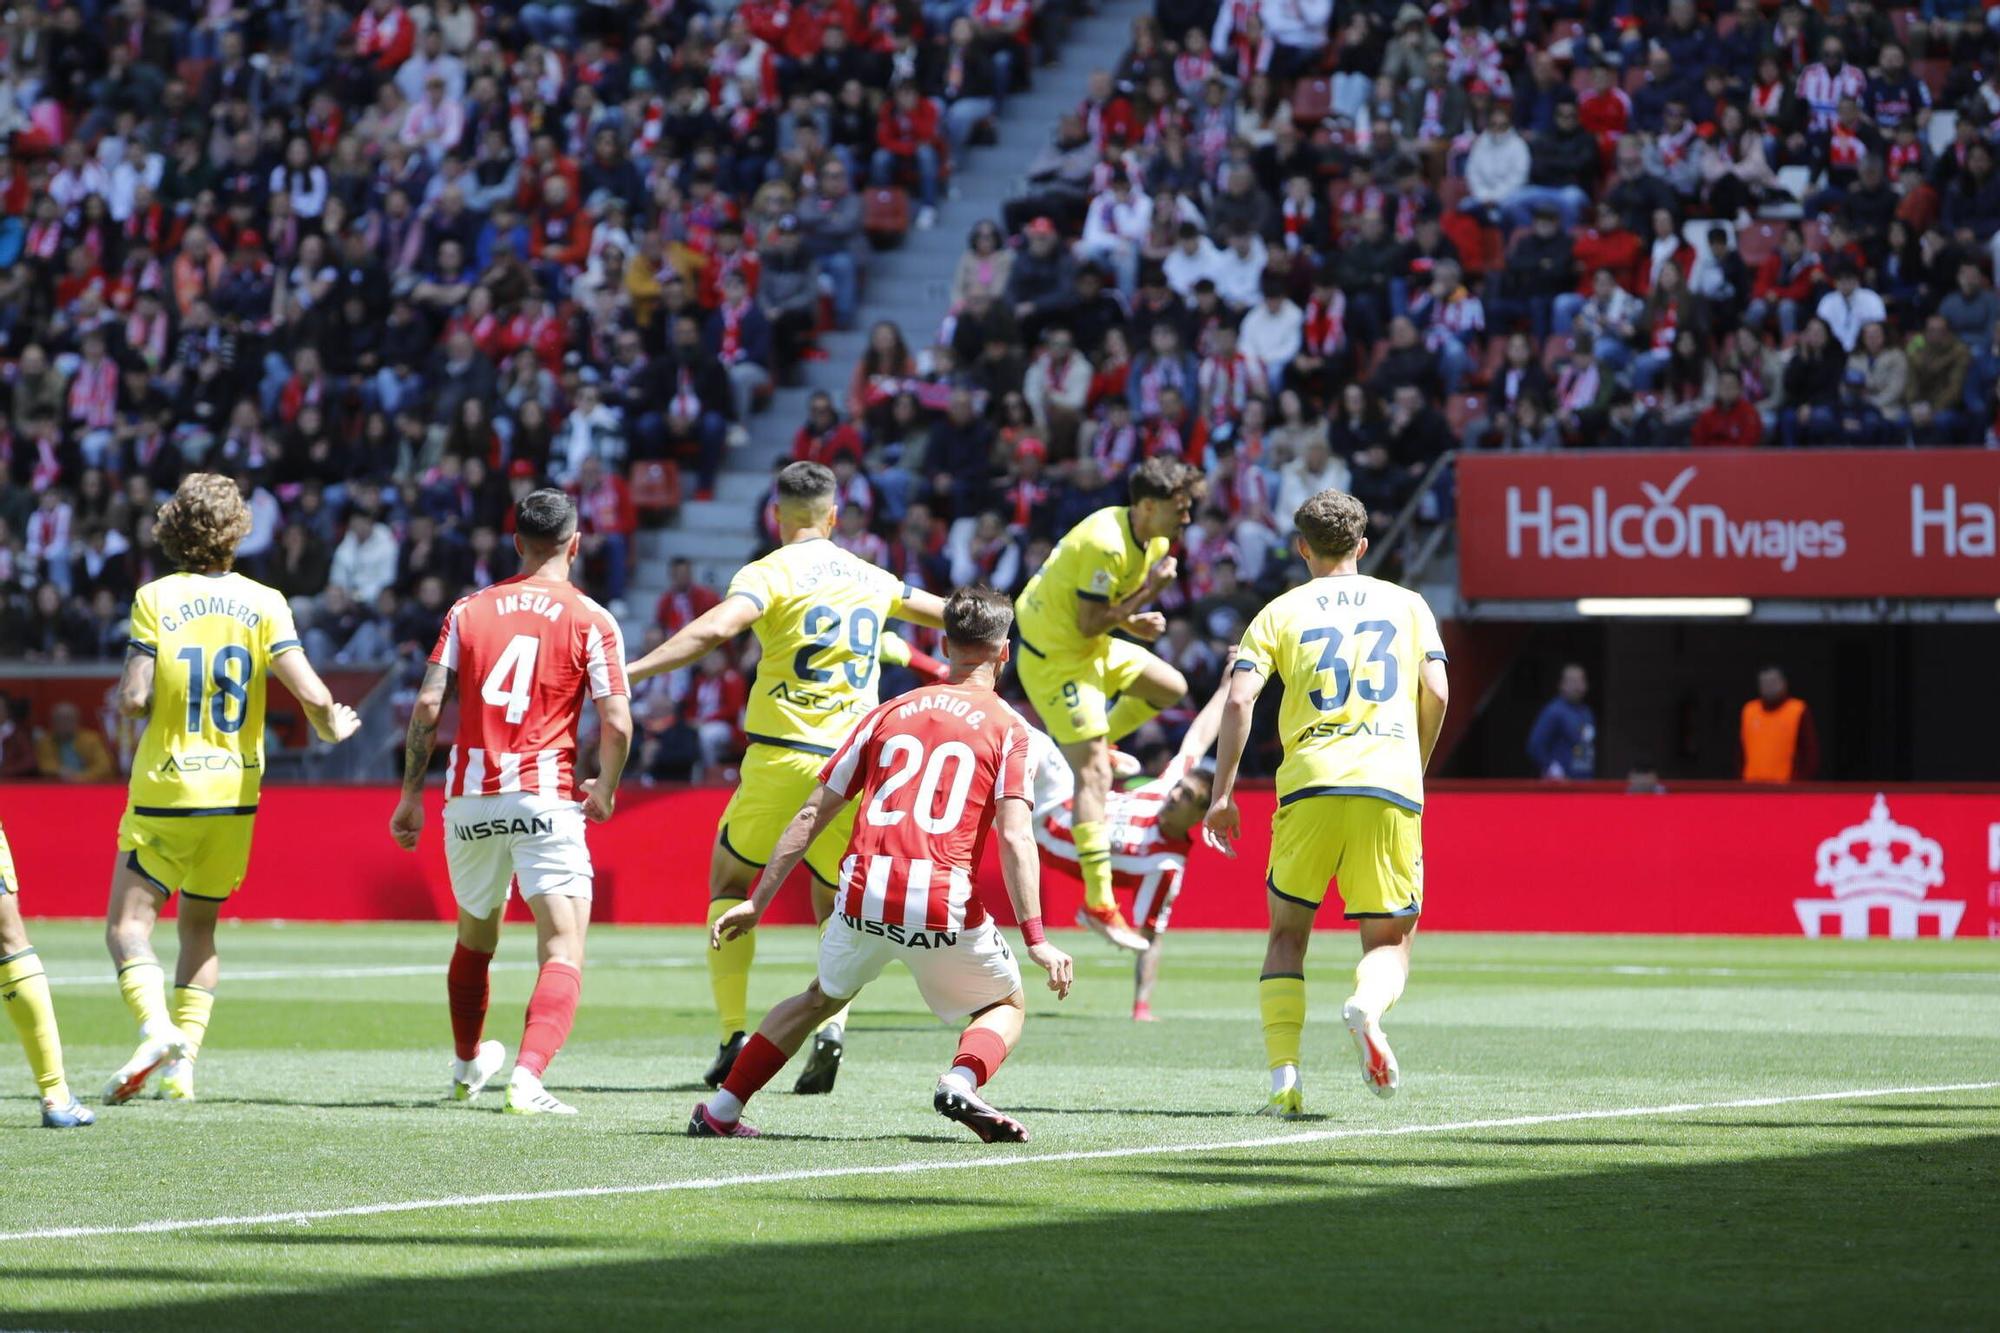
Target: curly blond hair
202, 525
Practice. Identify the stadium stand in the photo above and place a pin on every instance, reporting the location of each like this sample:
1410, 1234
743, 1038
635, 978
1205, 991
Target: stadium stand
390, 266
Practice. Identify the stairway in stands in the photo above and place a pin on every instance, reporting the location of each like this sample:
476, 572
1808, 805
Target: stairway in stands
909, 284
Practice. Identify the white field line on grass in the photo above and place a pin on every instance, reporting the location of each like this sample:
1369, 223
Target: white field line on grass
362, 971
975, 1163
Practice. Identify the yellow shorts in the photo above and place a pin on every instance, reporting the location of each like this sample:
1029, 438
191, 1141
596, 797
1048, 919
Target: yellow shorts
201, 855
1374, 849
8, 884
775, 784
1074, 692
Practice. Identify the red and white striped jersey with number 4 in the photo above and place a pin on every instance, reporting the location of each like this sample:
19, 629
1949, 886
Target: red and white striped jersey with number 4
929, 767
526, 652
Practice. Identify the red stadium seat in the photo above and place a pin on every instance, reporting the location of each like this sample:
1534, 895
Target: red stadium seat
656, 487
1934, 73
1556, 351
885, 215
1312, 101
1757, 242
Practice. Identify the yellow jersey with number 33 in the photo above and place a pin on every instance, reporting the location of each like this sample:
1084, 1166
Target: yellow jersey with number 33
212, 638
1348, 649
1098, 560
821, 635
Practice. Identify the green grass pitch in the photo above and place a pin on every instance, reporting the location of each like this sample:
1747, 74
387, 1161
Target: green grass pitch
1149, 1197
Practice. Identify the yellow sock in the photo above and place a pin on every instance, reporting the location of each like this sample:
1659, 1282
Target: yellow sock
839, 1020
1379, 978
1282, 999
144, 987
729, 973
24, 989
1128, 715
192, 1006
1093, 860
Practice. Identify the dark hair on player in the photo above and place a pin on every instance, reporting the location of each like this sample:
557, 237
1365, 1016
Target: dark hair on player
978, 617
545, 517
1332, 524
806, 483
1162, 477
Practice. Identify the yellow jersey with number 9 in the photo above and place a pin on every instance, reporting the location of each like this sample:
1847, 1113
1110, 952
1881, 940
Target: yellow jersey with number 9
1348, 648
821, 635
1099, 560
212, 638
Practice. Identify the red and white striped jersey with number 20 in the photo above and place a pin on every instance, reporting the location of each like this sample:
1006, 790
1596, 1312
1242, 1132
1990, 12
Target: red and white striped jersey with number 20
526, 652
929, 768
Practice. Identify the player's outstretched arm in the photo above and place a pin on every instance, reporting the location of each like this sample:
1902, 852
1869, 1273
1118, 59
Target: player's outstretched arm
1433, 696
820, 809
1224, 821
614, 745
698, 638
332, 722
921, 608
407, 824
1201, 732
135, 687
1021, 869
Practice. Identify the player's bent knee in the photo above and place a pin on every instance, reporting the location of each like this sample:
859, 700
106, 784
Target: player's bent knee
1163, 687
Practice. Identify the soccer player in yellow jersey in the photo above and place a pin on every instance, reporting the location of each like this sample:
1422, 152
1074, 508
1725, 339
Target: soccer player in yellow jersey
818, 613
1084, 664
24, 991
202, 642
1364, 676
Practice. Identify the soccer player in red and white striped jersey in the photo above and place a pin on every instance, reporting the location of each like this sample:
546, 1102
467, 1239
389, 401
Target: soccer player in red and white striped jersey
514, 811
934, 769
1152, 827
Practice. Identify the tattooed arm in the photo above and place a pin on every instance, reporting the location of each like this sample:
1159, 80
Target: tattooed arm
407, 824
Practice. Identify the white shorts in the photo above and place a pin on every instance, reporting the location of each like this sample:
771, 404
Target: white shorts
959, 972
514, 836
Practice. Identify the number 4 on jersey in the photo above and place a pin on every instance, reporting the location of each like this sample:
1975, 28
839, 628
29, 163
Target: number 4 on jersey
506, 685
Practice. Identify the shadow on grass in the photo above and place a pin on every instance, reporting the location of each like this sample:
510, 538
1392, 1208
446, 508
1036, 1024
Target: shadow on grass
1868, 1237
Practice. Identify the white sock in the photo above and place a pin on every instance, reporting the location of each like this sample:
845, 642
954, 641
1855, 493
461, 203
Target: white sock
834, 1031
725, 1106
1284, 1078
963, 1079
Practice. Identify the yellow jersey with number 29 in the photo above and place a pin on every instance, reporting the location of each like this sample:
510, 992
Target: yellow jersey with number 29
821, 636
212, 638
1348, 649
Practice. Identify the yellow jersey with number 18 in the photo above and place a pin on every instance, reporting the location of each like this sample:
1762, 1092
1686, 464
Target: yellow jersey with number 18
821, 636
1099, 560
1348, 648
212, 638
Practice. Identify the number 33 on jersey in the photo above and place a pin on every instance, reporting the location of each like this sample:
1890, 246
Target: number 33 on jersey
525, 652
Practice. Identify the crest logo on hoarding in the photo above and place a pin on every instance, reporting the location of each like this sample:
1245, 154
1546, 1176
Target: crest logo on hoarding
1878, 864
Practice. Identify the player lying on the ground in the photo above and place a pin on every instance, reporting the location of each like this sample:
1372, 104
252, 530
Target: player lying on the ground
512, 812
818, 614
203, 642
1088, 685
933, 770
1150, 828
24, 989
1365, 693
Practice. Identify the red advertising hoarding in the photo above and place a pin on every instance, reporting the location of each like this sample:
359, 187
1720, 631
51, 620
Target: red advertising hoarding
1735, 523
1846, 862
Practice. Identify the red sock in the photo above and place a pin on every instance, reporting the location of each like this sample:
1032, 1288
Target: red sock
981, 1050
551, 1009
756, 1064
465, 987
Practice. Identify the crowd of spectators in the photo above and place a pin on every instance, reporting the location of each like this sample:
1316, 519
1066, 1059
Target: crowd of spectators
388, 266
